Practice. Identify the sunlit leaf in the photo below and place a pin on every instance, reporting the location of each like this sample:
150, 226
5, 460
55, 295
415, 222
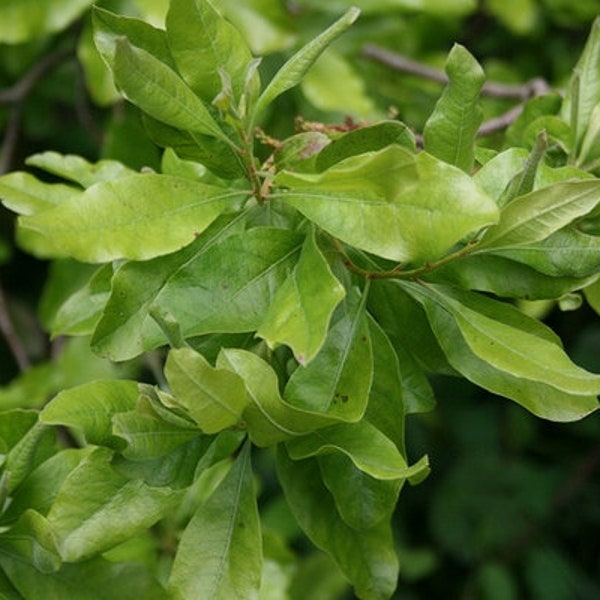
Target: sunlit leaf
521, 363
391, 203
536, 215
300, 312
203, 42
137, 217
293, 71
213, 397
450, 131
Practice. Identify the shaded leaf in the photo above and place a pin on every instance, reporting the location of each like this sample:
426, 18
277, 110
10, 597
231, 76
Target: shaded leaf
366, 139
366, 557
337, 381
126, 329
220, 552
96, 508
361, 500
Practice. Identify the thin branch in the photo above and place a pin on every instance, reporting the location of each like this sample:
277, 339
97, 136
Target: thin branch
495, 89
10, 139
10, 335
19, 91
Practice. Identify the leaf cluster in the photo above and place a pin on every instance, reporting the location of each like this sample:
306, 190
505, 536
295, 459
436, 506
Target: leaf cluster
301, 293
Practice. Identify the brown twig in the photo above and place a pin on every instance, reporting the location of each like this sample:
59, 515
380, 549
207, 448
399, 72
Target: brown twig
495, 89
19, 91
10, 335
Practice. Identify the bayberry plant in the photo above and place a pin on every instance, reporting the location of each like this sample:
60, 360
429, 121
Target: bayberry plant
294, 295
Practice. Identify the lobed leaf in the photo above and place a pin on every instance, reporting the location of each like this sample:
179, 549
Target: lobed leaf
137, 217
451, 129
391, 203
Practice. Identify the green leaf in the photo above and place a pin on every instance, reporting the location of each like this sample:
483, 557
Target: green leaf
391, 203
109, 28
337, 381
233, 284
404, 321
125, 329
536, 215
450, 131
369, 449
77, 169
89, 408
503, 277
293, 71
220, 552
38, 491
203, 43
148, 437
83, 580
268, 418
96, 508
567, 252
386, 409
30, 539
584, 92
301, 310
24, 20
508, 354
215, 398
370, 138
26, 195
159, 91
136, 217
211, 152
366, 557
361, 500
333, 84
443, 8
592, 295
80, 312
